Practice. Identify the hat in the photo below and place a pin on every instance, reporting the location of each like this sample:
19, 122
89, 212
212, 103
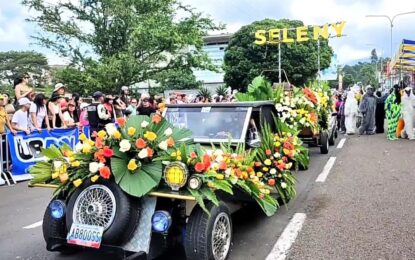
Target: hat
408, 88
109, 97
24, 101
98, 94
58, 86
83, 105
124, 88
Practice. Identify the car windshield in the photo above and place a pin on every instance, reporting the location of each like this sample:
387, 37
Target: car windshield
212, 124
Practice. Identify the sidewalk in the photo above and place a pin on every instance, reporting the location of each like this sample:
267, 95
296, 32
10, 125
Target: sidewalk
366, 207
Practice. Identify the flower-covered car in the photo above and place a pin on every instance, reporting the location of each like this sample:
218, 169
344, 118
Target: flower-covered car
150, 182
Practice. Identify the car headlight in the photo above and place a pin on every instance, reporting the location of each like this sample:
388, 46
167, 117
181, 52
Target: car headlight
175, 175
161, 221
57, 209
195, 182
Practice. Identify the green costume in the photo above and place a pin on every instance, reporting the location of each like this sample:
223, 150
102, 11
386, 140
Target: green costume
393, 113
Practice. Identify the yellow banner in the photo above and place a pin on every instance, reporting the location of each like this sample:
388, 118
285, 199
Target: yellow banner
275, 36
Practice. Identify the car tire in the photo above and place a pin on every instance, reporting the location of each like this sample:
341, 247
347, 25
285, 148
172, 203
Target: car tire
55, 228
200, 230
122, 221
324, 143
332, 139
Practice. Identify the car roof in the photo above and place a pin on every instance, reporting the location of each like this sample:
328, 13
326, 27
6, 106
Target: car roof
230, 104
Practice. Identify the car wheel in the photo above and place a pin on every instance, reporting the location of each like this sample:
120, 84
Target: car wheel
104, 204
332, 139
208, 237
324, 142
55, 228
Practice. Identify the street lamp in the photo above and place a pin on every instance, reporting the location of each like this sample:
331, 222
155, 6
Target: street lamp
391, 20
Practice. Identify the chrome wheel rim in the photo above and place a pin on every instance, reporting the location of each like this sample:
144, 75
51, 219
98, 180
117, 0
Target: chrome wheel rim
95, 206
221, 236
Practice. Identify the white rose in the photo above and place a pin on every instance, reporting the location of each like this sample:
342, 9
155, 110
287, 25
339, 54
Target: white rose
144, 124
111, 129
168, 132
125, 146
143, 154
94, 167
277, 155
218, 152
163, 145
273, 171
219, 158
78, 147
228, 172
283, 185
279, 175
57, 164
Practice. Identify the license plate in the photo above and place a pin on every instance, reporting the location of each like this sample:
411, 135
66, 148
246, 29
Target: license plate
85, 235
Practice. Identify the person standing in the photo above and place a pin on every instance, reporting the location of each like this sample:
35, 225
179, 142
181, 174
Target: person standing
350, 112
132, 108
20, 120
407, 107
124, 95
4, 120
393, 111
368, 109
8, 106
55, 111
97, 115
21, 87
119, 107
380, 112
38, 113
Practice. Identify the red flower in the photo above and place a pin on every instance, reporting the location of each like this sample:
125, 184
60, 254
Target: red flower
285, 159
310, 95
222, 166
108, 152
206, 161
99, 143
281, 166
150, 152
156, 118
199, 167
268, 152
140, 143
288, 145
193, 155
105, 172
121, 121
271, 182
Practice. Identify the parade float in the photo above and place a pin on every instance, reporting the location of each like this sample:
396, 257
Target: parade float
151, 182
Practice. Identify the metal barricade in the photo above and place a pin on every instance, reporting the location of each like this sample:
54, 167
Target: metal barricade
5, 161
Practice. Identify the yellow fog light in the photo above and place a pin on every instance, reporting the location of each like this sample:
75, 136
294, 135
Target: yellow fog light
175, 175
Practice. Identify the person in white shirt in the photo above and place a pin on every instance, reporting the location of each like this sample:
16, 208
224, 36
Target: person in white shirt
71, 117
20, 120
38, 113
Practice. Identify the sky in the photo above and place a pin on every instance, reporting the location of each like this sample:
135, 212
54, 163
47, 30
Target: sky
362, 33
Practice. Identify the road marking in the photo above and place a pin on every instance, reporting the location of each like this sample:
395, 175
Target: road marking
287, 238
323, 175
341, 143
34, 225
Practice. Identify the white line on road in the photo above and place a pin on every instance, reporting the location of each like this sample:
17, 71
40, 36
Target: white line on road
287, 238
341, 143
323, 175
34, 225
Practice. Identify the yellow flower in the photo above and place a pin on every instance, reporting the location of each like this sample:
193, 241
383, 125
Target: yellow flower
131, 131
132, 165
86, 148
117, 135
265, 169
71, 159
259, 174
151, 136
90, 142
75, 163
102, 134
179, 158
210, 184
77, 182
268, 162
82, 137
220, 176
55, 175
277, 144
94, 178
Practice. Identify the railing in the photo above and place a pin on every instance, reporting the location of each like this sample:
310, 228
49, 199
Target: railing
5, 162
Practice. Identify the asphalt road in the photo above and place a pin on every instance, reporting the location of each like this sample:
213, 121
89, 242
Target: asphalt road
364, 210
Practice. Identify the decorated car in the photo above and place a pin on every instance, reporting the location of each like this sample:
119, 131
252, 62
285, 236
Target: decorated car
148, 183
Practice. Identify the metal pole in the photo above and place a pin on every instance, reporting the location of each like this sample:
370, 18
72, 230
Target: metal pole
279, 58
390, 75
318, 61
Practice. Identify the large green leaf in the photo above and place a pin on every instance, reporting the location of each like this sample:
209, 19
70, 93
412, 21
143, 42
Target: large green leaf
139, 182
52, 152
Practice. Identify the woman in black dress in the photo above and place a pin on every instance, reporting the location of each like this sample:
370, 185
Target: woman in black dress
380, 112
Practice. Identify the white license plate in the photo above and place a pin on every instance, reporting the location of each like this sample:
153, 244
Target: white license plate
85, 235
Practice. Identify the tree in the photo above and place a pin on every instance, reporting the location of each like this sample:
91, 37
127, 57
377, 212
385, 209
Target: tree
373, 56
16, 63
244, 60
178, 79
122, 42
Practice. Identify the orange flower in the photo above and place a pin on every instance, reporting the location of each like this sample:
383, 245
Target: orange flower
105, 172
121, 121
271, 182
100, 156
199, 167
288, 145
193, 155
140, 143
258, 164
99, 142
268, 152
156, 118
206, 161
222, 166
170, 142
313, 117
150, 152
310, 95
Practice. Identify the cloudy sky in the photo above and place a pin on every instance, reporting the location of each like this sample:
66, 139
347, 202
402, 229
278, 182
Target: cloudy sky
363, 34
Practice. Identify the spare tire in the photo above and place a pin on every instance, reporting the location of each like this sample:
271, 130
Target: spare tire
104, 204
